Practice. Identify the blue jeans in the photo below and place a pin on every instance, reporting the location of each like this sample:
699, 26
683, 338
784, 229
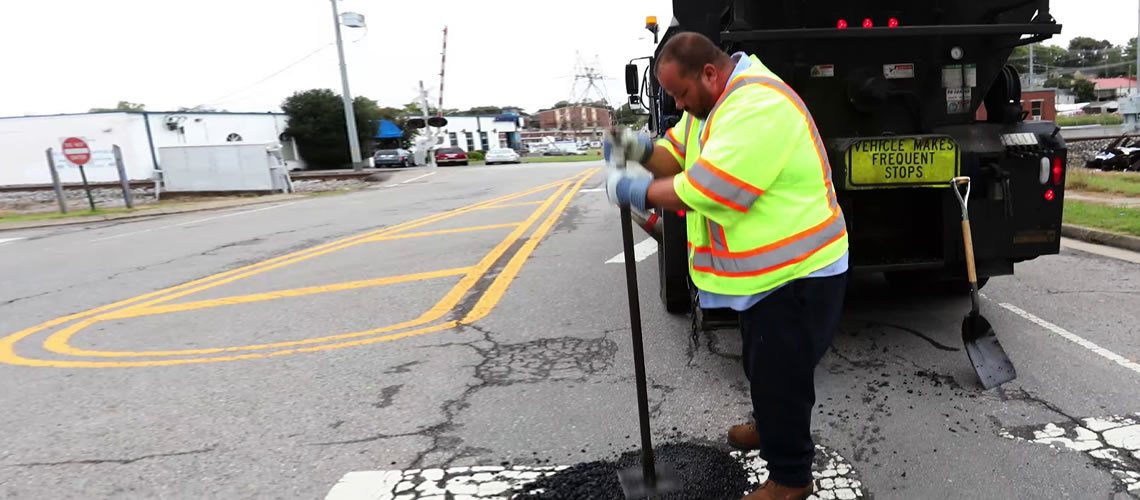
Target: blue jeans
785, 335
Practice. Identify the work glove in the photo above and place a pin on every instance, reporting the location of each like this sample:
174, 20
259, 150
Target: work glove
636, 146
628, 188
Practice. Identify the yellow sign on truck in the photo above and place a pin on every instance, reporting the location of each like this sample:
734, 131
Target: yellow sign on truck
929, 161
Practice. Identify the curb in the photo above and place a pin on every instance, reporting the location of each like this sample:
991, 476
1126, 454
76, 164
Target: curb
1101, 237
155, 213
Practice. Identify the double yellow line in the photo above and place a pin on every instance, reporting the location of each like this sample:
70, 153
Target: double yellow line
148, 304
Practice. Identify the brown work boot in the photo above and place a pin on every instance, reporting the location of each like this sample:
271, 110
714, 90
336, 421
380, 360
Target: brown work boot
744, 437
772, 491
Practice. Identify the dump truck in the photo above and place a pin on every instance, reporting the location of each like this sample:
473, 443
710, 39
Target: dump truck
891, 76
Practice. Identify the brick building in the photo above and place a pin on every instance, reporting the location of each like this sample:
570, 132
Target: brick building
581, 123
1041, 104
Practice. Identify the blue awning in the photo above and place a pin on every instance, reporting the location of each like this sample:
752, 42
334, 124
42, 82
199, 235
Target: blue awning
388, 130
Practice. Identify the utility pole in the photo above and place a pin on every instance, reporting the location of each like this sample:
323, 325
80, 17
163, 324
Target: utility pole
1031, 65
349, 116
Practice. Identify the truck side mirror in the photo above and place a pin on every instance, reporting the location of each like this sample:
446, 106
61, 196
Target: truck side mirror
631, 86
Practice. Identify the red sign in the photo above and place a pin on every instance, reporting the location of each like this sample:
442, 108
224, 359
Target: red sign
76, 151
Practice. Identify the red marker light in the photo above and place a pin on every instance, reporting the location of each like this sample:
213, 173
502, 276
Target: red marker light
1057, 170
680, 213
842, 24
1049, 195
893, 23
867, 23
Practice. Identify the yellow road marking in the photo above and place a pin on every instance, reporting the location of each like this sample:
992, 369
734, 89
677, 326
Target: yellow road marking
7, 343
437, 311
59, 341
498, 287
280, 294
443, 231
495, 292
509, 205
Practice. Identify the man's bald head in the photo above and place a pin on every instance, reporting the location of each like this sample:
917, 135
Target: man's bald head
691, 51
693, 70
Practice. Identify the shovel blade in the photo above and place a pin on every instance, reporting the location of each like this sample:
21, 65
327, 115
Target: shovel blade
634, 484
990, 362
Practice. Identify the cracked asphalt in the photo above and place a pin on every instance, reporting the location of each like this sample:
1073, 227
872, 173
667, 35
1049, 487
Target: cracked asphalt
279, 373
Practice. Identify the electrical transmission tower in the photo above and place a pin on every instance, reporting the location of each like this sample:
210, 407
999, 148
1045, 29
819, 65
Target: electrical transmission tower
588, 81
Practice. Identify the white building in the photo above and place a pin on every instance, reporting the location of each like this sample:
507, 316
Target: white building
482, 132
140, 134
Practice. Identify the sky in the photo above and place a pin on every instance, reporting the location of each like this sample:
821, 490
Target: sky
66, 56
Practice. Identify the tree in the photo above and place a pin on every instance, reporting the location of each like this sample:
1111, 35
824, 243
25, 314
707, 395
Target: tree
1045, 57
483, 110
1085, 52
626, 116
123, 106
1085, 89
316, 121
1063, 82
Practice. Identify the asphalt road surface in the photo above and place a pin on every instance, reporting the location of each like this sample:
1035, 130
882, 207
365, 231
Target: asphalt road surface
465, 330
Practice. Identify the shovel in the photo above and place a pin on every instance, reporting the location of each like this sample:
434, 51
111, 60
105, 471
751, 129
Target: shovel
989, 359
650, 479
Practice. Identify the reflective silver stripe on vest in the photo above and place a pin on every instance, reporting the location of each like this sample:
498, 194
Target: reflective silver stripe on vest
702, 175
715, 231
774, 258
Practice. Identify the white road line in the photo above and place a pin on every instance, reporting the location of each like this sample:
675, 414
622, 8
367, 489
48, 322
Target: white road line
5, 241
418, 177
592, 190
1105, 353
641, 251
132, 233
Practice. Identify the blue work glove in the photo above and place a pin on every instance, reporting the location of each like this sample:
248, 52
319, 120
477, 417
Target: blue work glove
637, 147
625, 188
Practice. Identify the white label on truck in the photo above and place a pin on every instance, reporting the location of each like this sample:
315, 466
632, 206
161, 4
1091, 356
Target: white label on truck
902, 70
958, 100
823, 70
952, 75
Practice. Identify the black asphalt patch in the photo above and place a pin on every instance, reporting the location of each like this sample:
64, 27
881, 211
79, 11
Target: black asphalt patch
705, 472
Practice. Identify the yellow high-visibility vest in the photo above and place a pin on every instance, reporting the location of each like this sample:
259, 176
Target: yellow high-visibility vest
757, 178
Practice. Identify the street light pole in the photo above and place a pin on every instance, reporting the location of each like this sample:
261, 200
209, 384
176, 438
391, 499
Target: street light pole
349, 116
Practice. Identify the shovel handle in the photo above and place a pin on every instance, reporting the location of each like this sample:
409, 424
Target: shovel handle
971, 270
962, 200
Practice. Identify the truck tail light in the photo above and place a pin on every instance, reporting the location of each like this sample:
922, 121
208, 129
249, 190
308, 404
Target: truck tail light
893, 23
1058, 169
867, 23
841, 24
1049, 195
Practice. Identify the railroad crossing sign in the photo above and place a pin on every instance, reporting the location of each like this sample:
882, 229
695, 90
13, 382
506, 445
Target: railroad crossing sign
76, 151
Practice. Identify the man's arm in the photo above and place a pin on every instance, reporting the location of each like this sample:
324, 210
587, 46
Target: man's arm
663, 163
662, 194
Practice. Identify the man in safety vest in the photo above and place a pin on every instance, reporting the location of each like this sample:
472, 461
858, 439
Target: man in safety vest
766, 235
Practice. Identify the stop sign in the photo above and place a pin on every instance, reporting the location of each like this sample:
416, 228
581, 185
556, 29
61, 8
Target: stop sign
76, 151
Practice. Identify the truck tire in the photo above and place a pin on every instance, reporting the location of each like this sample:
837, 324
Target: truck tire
673, 264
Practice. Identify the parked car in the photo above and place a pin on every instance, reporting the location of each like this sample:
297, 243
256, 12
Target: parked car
502, 155
400, 157
1122, 154
450, 156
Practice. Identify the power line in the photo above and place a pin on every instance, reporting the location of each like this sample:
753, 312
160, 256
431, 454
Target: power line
268, 77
